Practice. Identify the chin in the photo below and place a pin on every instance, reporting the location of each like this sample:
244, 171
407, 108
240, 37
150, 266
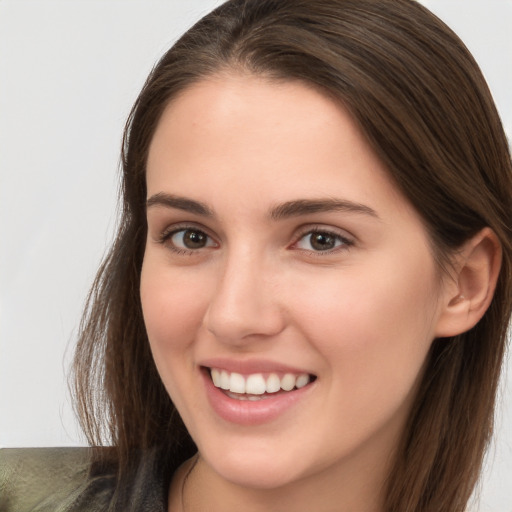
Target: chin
255, 471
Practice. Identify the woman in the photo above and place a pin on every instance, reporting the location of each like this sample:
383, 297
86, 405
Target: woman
306, 304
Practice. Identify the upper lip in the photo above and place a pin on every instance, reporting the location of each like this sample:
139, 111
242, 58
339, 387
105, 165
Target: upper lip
249, 366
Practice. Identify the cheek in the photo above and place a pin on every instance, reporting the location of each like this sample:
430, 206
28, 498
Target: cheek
361, 308
172, 309
171, 304
374, 330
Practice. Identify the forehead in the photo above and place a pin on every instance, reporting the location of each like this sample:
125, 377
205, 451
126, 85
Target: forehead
249, 132
250, 102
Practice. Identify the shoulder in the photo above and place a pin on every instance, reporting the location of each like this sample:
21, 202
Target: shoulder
66, 480
45, 479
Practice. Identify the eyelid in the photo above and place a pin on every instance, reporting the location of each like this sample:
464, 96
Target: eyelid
347, 239
325, 228
164, 236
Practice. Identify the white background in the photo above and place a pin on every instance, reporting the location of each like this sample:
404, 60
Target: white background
69, 73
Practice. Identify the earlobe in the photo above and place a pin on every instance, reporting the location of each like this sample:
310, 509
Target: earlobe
477, 267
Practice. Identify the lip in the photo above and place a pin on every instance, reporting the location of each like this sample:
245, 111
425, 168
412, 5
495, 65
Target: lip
252, 413
251, 366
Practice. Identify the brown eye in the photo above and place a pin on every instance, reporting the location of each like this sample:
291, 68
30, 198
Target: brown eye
321, 241
191, 239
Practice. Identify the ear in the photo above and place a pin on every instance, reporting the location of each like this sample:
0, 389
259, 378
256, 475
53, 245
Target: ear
467, 297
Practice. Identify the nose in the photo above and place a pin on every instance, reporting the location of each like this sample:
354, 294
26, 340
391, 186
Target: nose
245, 304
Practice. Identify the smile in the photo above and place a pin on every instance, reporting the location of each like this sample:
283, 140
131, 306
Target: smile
256, 386
255, 397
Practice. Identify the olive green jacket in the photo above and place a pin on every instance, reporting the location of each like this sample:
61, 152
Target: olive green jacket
62, 480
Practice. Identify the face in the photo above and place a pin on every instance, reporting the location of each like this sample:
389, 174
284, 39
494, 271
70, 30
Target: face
280, 256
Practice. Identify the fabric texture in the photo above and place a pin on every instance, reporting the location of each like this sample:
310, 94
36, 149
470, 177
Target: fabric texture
63, 480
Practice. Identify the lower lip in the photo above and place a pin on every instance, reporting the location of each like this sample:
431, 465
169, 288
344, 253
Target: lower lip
248, 412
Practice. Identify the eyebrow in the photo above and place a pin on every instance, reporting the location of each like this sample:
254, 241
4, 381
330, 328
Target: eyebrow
282, 211
308, 206
180, 203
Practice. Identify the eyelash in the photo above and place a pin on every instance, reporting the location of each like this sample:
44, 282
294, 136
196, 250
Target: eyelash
345, 244
167, 235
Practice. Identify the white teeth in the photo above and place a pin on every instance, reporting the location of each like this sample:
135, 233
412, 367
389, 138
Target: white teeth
216, 377
273, 383
255, 384
302, 380
224, 380
288, 382
237, 383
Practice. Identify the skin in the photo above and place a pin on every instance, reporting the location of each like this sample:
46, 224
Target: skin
360, 317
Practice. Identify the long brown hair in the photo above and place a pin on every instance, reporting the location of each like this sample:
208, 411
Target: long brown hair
421, 100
